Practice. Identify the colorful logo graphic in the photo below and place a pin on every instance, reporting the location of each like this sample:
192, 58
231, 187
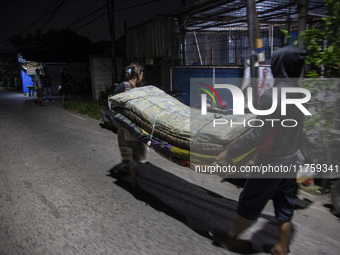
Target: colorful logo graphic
209, 93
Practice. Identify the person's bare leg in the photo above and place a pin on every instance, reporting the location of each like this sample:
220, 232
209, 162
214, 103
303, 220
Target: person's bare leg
42, 101
241, 225
281, 247
231, 239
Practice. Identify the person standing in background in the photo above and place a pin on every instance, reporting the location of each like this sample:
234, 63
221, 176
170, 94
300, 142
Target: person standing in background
47, 87
39, 87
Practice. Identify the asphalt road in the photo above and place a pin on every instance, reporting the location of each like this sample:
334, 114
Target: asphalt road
63, 191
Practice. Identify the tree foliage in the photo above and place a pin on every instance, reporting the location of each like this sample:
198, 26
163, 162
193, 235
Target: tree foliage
323, 60
54, 45
323, 44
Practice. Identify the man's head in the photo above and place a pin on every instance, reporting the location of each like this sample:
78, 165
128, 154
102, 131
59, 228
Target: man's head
37, 71
287, 62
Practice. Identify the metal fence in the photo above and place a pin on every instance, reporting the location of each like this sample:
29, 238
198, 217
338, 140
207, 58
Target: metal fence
226, 48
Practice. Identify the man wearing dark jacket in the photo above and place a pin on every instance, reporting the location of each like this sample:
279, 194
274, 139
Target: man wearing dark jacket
276, 145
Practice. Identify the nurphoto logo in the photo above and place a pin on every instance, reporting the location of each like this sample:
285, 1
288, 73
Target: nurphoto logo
238, 105
238, 99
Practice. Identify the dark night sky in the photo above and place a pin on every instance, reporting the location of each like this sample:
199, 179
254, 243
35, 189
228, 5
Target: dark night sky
27, 16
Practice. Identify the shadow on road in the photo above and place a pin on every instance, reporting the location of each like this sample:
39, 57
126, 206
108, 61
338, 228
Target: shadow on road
200, 209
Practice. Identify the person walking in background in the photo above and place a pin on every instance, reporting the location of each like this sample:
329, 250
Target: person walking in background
39, 87
47, 81
132, 151
276, 145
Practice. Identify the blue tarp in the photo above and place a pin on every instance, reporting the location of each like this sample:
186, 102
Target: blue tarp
26, 81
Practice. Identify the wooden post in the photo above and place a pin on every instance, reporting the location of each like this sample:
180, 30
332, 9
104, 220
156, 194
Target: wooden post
302, 23
110, 10
182, 41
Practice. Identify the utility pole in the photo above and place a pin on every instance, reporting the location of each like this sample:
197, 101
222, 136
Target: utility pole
302, 23
182, 40
252, 36
110, 12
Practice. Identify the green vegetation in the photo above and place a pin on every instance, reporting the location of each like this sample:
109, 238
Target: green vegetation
323, 110
84, 106
323, 60
103, 96
323, 44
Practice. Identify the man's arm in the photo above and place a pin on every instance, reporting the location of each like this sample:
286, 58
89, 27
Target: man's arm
224, 159
255, 138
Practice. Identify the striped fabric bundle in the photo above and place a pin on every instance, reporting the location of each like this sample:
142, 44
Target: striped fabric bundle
179, 133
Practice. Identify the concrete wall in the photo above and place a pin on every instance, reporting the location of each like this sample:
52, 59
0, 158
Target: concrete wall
79, 72
101, 75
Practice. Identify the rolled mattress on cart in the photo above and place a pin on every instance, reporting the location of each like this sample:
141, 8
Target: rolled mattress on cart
172, 122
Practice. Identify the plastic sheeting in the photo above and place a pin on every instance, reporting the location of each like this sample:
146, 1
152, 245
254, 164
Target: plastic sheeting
26, 81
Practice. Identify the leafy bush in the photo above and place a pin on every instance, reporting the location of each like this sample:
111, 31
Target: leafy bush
323, 44
84, 106
322, 107
103, 96
323, 59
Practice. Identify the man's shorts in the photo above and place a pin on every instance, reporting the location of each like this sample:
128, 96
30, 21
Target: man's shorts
257, 192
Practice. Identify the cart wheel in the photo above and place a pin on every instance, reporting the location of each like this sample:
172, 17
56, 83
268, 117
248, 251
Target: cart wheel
336, 196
